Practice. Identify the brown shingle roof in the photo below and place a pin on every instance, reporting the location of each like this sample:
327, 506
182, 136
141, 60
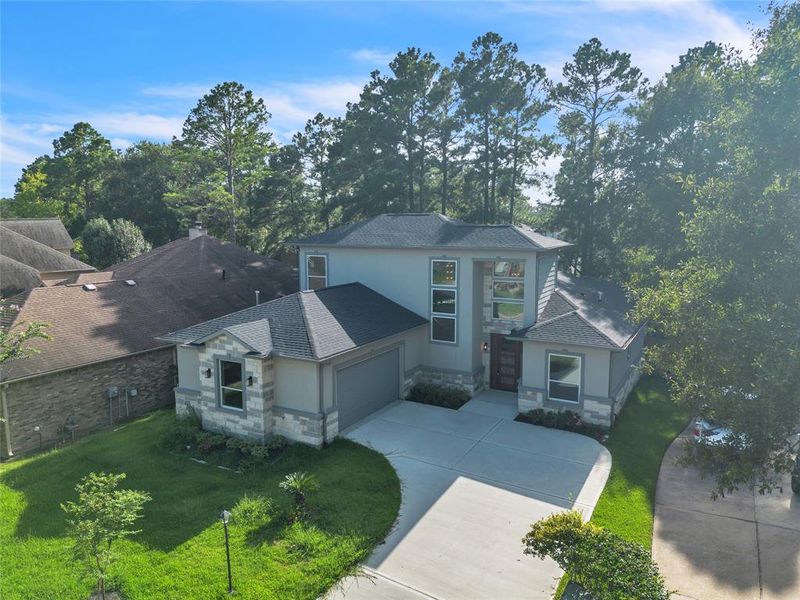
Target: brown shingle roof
16, 277
48, 231
37, 255
177, 285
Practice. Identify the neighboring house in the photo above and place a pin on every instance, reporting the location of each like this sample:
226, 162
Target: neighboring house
489, 311
35, 252
104, 363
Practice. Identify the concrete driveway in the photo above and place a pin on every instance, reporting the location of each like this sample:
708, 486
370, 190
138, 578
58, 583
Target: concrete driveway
743, 546
473, 481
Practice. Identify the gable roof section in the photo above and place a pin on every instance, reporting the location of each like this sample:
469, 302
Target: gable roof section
575, 314
431, 230
116, 319
48, 231
311, 325
36, 255
16, 277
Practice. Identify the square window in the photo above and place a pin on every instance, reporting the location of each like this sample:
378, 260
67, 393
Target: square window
508, 311
443, 301
509, 268
443, 272
513, 290
443, 329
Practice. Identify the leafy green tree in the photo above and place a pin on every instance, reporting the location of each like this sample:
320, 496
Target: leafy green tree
314, 144
729, 312
230, 123
14, 340
77, 171
136, 186
102, 515
106, 244
31, 195
597, 85
446, 136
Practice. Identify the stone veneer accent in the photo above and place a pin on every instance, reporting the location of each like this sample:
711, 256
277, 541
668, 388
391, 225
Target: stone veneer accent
261, 418
625, 389
79, 396
471, 382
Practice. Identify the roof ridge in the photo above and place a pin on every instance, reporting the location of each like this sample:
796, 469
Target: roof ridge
48, 250
306, 326
563, 297
556, 318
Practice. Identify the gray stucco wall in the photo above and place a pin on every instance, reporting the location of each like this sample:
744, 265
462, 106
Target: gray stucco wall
296, 384
547, 268
188, 368
595, 368
403, 275
624, 360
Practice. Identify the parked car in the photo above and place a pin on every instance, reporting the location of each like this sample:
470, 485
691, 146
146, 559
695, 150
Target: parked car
706, 431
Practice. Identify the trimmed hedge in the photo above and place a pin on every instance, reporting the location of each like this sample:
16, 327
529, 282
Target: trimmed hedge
566, 420
438, 395
604, 564
188, 437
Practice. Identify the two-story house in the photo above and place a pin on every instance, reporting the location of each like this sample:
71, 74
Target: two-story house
404, 298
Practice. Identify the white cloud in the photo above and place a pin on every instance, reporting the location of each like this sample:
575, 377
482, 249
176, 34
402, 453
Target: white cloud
180, 91
373, 56
135, 125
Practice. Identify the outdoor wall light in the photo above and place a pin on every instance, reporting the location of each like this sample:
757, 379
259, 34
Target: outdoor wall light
250, 380
485, 346
207, 373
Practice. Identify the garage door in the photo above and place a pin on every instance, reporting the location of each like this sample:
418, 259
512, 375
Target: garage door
367, 386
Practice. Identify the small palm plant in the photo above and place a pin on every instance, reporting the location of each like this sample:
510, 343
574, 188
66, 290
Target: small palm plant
299, 485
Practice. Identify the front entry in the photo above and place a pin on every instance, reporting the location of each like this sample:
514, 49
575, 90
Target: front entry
506, 363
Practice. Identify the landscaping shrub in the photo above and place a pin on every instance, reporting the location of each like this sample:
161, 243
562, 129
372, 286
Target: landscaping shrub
566, 420
299, 485
187, 436
253, 511
607, 566
796, 476
438, 395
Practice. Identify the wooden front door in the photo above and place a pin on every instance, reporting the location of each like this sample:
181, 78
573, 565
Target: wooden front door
506, 363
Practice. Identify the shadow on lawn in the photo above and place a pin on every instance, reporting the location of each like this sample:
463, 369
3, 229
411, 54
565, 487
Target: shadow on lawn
187, 497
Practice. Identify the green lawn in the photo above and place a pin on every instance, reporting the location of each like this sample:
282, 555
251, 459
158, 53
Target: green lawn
648, 424
180, 551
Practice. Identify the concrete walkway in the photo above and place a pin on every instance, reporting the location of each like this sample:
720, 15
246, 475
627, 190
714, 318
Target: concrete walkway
741, 547
473, 482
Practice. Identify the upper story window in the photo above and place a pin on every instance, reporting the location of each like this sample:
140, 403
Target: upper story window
444, 300
231, 391
564, 377
508, 290
316, 271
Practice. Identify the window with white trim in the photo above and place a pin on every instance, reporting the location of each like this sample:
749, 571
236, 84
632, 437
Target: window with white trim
316, 271
564, 377
231, 389
508, 290
444, 300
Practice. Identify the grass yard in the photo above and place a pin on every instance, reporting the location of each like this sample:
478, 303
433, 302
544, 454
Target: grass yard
180, 551
648, 424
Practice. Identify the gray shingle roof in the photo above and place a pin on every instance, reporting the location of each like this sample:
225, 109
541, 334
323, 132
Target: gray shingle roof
431, 230
37, 255
312, 325
177, 285
48, 231
575, 314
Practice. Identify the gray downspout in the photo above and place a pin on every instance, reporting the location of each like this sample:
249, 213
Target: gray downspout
321, 402
6, 421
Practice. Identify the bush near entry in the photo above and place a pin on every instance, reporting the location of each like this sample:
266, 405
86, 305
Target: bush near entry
607, 566
438, 395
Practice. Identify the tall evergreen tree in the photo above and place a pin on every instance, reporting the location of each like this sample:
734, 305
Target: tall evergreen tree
230, 123
597, 85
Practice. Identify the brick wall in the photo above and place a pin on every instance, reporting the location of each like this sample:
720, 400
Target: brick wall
79, 396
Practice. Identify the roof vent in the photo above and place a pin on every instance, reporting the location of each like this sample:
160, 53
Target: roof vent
599, 296
130, 283
89, 287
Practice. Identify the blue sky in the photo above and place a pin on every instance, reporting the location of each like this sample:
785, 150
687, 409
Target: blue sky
134, 70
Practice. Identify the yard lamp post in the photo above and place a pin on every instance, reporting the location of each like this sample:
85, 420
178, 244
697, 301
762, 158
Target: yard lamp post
226, 516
